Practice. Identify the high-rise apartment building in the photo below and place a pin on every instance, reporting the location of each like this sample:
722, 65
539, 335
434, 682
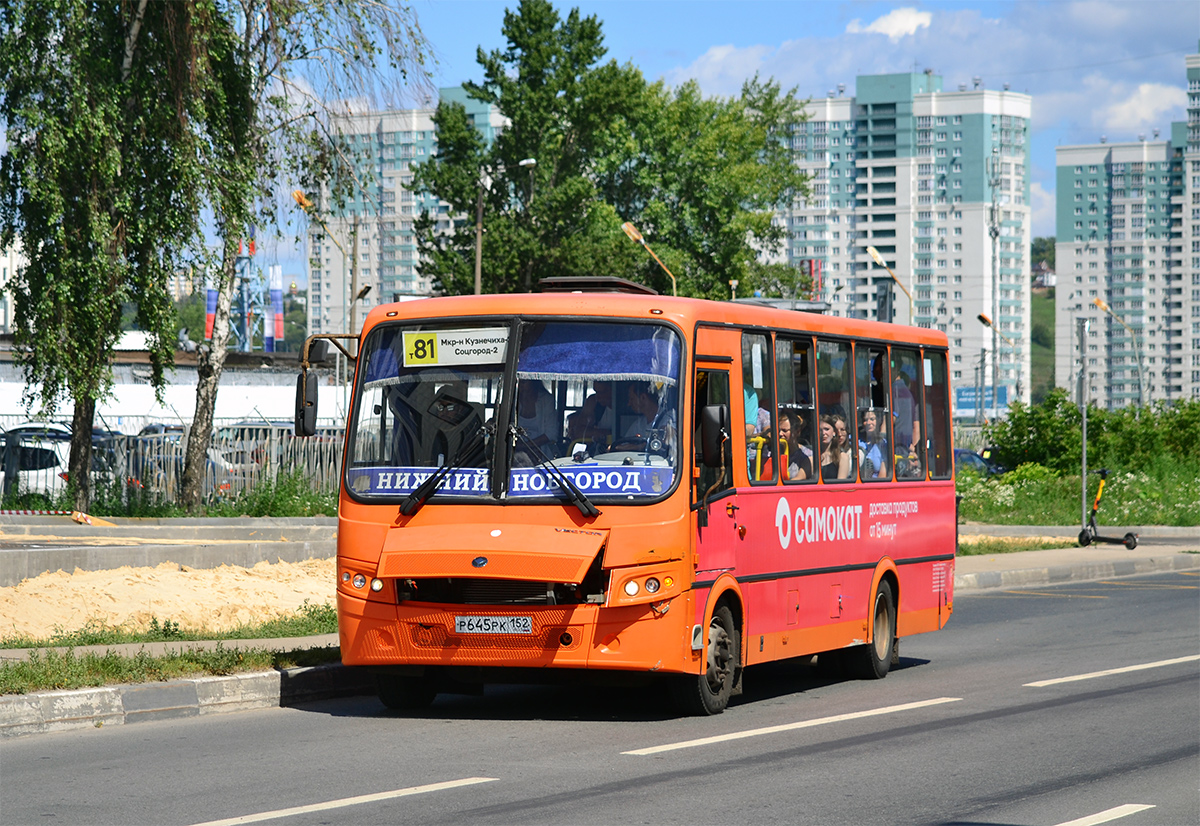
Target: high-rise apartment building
11, 260
938, 182
369, 242
1128, 235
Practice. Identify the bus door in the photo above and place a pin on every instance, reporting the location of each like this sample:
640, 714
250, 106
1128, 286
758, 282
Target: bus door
714, 497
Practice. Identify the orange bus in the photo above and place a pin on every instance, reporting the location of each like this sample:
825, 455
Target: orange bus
662, 488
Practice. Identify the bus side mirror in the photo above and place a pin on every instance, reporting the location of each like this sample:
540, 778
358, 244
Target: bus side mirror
714, 431
306, 403
318, 351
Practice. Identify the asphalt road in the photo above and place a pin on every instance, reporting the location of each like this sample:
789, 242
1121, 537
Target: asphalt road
956, 735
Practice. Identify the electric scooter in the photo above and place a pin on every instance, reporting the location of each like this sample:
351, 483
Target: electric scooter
1089, 533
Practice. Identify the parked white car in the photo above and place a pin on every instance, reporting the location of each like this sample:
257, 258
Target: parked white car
35, 457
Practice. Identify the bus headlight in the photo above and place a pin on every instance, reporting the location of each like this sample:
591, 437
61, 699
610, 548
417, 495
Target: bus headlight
652, 586
376, 585
631, 588
359, 580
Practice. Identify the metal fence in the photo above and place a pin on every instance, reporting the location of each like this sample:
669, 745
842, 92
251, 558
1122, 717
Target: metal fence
150, 466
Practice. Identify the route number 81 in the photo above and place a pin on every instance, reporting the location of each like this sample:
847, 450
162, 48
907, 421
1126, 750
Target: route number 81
420, 348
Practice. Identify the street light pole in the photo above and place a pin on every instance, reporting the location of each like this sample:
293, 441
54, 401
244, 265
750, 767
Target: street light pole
633, 233
306, 205
987, 322
878, 259
1137, 351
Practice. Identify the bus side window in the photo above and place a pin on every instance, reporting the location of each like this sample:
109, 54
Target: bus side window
937, 414
835, 401
906, 403
873, 430
795, 420
712, 387
759, 404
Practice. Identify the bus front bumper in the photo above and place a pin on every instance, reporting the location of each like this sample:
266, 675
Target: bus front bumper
633, 638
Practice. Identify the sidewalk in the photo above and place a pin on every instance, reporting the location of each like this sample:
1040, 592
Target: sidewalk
1171, 549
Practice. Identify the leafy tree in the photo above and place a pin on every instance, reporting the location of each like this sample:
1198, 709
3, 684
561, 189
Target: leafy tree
701, 178
100, 184
1043, 250
279, 66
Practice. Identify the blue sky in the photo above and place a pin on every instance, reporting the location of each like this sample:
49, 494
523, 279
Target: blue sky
1093, 67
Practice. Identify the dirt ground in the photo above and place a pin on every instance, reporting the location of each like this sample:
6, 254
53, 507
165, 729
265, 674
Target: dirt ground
217, 598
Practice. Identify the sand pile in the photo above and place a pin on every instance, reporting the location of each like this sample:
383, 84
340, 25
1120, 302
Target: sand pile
217, 598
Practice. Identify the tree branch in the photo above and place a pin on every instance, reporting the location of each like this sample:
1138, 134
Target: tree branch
131, 40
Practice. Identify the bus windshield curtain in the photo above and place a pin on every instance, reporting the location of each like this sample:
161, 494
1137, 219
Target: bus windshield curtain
600, 351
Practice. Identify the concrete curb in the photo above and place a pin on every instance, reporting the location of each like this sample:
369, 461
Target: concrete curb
47, 711
1072, 531
1075, 572
26, 563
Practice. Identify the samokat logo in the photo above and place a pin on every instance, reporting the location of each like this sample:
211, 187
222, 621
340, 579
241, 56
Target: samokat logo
832, 523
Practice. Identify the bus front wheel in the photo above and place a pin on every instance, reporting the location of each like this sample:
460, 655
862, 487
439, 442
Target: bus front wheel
708, 693
405, 693
873, 660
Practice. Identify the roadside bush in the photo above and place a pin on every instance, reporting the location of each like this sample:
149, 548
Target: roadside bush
1129, 439
290, 495
1162, 492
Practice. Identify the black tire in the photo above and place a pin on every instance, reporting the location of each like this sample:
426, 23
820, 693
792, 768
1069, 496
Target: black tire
873, 660
1130, 541
1085, 538
405, 693
708, 693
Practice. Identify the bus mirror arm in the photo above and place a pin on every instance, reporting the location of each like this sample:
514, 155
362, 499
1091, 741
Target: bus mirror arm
703, 516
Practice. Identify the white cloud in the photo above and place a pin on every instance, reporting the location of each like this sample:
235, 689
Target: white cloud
722, 69
895, 24
1042, 208
1148, 106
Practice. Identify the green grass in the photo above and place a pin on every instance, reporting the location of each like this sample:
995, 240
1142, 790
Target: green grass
309, 621
1164, 492
1041, 354
978, 546
56, 670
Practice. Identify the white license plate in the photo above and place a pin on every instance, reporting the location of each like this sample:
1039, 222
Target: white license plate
493, 625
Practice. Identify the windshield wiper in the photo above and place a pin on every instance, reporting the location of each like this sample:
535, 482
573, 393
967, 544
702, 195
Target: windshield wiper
424, 490
574, 495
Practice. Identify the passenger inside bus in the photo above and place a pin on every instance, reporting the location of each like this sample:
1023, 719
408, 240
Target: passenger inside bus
873, 447
795, 464
653, 426
835, 464
594, 420
536, 413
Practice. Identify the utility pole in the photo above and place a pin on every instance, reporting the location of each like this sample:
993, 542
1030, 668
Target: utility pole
1081, 325
994, 232
479, 240
353, 281
981, 397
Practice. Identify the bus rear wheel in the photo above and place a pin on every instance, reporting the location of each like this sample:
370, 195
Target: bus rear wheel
405, 693
709, 692
873, 660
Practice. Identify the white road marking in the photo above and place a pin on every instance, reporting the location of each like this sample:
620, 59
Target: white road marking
349, 801
1108, 815
739, 735
1107, 672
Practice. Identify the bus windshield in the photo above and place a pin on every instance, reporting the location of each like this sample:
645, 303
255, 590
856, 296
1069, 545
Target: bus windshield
598, 400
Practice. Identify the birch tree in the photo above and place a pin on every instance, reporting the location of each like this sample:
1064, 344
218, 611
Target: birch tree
280, 80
